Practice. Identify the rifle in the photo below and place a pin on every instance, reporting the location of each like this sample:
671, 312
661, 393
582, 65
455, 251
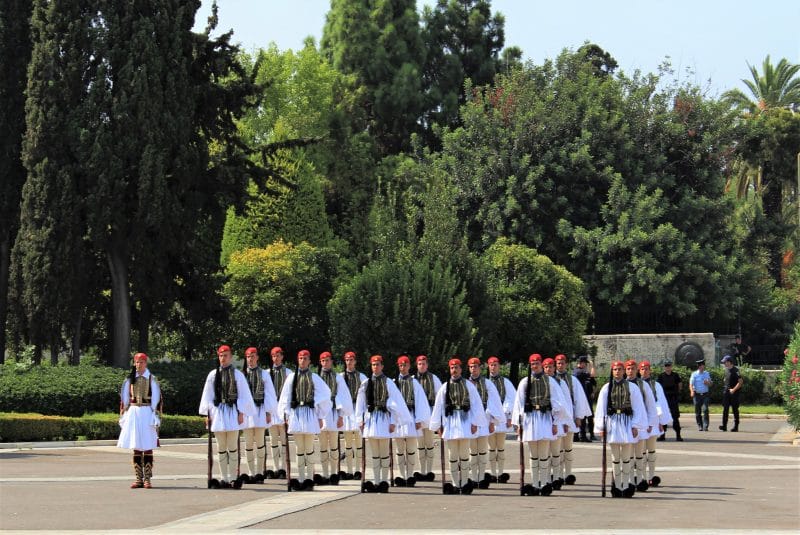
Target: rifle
339, 453
363, 461
391, 463
605, 459
212, 483
441, 455
288, 461
521, 459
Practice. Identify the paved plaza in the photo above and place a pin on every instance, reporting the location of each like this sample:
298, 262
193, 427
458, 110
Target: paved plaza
712, 482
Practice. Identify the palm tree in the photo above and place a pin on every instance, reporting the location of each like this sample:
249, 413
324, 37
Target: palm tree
777, 87
766, 158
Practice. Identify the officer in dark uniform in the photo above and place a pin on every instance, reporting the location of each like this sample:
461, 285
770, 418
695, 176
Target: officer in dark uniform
671, 383
586, 377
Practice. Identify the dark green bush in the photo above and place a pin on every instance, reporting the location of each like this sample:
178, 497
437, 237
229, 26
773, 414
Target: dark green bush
76, 390
15, 427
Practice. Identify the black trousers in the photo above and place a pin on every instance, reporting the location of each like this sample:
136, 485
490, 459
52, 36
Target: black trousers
675, 411
730, 401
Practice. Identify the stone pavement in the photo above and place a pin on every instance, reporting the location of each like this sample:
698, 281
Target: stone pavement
713, 481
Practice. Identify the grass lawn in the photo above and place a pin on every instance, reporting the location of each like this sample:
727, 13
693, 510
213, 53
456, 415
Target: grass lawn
743, 409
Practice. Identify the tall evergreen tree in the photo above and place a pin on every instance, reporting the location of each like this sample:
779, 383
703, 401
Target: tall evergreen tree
51, 264
379, 41
463, 41
15, 53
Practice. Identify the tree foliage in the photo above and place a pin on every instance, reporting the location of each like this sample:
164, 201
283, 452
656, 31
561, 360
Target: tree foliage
542, 306
278, 296
403, 306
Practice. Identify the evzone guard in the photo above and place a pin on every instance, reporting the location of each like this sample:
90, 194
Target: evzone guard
342, 407
255, 426
352, 434
406, 436
430, 385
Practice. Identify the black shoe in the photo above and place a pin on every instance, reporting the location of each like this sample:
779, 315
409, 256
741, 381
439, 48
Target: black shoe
570, 479
723, 428
411, 481
307, 485
504, 477
526, 490
295, 484
642, 486
334, 479
615, 492
547, 490
368, 486
281, 474
448, 488
556, 483
661, 438
383, 487
679, 439
399, 482
430, 477
656, 481
357, 475
735, 428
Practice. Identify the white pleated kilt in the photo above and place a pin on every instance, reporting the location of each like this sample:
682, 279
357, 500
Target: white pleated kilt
619, 429
458, 426
303, 420
138, 429
376, 424
572, 427
329, 422
225, 418
502, 427
407, 430
537, 425
259, 420
350, 423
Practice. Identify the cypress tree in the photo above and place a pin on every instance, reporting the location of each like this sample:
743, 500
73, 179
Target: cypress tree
15, 52
49, 259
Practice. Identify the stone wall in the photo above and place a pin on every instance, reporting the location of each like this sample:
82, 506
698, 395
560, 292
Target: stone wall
654, 347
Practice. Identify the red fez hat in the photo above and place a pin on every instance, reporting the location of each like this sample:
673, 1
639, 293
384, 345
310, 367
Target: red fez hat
421, 357
536, 357
561, 357
644, 364
617, 364
375, 358
492, 360
548, 362
223, 348
139, 356
304, 353
325, 355
275, 350
349, 355
250, 350
403, 359
630, 362
474, 360
454, 362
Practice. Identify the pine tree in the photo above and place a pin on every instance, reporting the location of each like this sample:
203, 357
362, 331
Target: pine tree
380, 42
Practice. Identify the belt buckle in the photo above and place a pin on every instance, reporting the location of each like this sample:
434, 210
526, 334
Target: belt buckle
537, 407
302, 403
619, 411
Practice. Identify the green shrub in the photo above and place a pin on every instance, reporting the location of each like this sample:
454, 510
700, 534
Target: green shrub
29, 427
789, 381
77, 390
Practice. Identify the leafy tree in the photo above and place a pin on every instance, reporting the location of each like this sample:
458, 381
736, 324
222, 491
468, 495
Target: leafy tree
15, 53
542, 306
168, 94
403, 306
278, 295
379, 41
463, 41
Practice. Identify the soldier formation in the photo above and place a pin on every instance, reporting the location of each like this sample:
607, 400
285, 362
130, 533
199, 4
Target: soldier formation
351, 417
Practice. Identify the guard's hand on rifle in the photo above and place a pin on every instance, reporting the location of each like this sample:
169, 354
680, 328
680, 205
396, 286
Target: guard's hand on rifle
269, 418
418, 425
391, 428
339, 422
555, 429
207, 421
361, 426
320, 423
240, 418
473, 428
635, 432
491, 428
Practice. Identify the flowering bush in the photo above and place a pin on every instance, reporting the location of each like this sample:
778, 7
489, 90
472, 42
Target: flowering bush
790, 379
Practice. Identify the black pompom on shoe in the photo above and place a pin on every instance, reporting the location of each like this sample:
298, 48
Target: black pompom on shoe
281, 474
570, 479
411, 481
270, 474
656, 481
334, 479
368, 486
504, 477
642, 486
547, 490
214, 483
383, 487
294, 484
430, 477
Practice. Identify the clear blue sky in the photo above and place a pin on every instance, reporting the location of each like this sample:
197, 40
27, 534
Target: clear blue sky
715, 39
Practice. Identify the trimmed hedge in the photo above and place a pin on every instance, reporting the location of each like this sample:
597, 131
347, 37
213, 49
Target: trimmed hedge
77, 390
16, 427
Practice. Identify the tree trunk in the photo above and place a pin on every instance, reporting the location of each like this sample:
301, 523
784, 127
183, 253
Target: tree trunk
75, 350
5, 261
54, 353
37, 355
120, 302
144, 327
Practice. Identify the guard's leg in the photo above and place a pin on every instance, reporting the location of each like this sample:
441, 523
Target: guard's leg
138, 469
555, 460
324, 449
147, 468
249, 450
222, 453
277, 439
567, 458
